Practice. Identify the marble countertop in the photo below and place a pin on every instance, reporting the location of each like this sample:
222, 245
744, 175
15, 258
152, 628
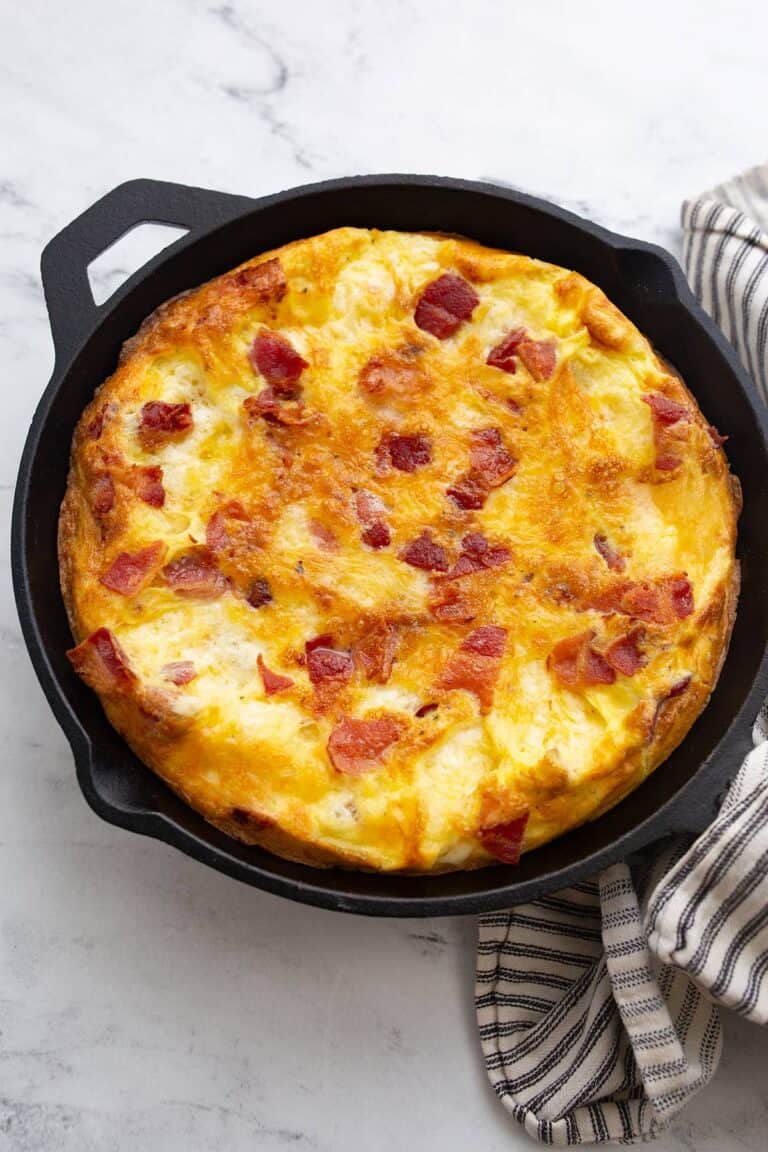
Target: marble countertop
147, 1002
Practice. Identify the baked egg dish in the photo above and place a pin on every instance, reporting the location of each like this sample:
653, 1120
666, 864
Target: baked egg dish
392, 551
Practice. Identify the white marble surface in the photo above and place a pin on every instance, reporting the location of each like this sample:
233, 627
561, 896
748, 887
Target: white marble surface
147, 1003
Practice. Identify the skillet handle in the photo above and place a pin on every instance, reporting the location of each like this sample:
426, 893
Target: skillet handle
65, 259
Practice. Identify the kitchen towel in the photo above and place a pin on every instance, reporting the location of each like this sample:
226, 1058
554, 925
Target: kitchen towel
598, 1007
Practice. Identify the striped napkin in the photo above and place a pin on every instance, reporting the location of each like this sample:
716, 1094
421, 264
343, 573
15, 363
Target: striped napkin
597, 1007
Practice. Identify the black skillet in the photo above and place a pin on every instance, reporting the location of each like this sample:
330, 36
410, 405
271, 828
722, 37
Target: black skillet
224, 230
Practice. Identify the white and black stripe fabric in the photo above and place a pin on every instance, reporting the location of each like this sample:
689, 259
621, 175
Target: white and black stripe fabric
598, 1007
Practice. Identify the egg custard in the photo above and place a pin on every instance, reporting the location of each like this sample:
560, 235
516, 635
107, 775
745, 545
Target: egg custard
392, 551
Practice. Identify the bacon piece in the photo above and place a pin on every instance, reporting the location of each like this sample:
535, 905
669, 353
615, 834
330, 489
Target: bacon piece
277, 360
325, 537
666, 411
149, 486
476, 665
444, 304
160, 423
230, 529
503, 356
375, 653
504, 841
266, 281
259, 593
390, 373
195, 576
357, 746
426, 553
408, 453
179, 671
328, 668
624, 655
102, 664
489, 458
377, 535
370, 512
268, 406
491, 465
130, 571
452, 603
716, 437
273, 681
659, 602
95, 427
539, 357
611, 555
470, 492
102, 494
576, 663
674, 691
477, 553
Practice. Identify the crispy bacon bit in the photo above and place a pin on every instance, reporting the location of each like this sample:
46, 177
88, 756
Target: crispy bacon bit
328, 667
677, 689
194, 576
469, 492
611, 555
160, 422
452, 603
375, 653
268, 406
390, 373
277, 360
179, 671
662, 602
624, 655
273, 681
231, 528
96, 426
357, 746
504, 841
716, 437
476, 665
130, 571
377, 536
489, 458
576, 663
664, 410
102, 664
259, 593
149, 486
477, 554
266, 280
503, 356
370, 512
539, 357
444, 304
407, 453
426, 553
102, 494
325, 537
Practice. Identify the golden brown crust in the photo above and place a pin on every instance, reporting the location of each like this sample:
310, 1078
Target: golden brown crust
262, 489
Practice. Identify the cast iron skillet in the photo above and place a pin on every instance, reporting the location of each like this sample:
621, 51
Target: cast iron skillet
223, 231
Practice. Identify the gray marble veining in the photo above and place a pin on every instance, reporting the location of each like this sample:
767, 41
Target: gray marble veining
146, 1002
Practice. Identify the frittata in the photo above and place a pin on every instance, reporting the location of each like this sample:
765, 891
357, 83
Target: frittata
392, 551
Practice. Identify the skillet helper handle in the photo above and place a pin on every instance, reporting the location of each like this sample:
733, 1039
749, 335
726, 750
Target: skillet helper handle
65, 259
